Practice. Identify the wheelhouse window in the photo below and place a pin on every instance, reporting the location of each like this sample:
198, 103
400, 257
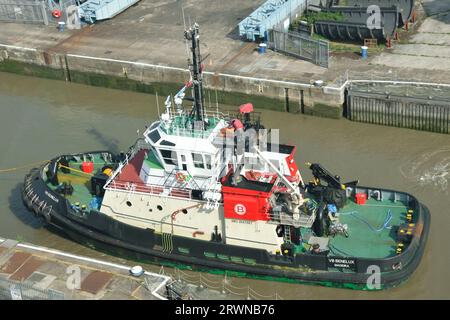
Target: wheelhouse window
154, 136
169, 156
197, 159
208, 161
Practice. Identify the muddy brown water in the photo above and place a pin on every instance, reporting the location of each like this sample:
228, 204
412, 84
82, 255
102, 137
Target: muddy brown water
40, 119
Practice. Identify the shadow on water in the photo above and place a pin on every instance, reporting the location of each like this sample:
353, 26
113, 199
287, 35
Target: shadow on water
111, 144
17, 207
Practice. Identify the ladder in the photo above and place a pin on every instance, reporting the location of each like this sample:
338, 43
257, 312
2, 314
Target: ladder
287, 234
167, 242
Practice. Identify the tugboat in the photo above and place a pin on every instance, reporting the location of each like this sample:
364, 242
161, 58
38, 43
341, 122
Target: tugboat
206, 190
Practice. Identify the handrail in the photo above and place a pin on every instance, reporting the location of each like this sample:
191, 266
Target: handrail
283, 218
139, 145
150, 189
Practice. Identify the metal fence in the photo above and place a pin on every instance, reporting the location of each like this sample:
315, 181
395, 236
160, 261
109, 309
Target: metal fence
40, 12
29, 11
399, 111
315, 51
11, 290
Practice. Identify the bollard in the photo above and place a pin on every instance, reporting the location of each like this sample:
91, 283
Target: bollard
61, 26
262, 48
364, 52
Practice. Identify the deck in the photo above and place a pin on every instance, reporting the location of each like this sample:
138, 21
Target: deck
81, 182
371, 233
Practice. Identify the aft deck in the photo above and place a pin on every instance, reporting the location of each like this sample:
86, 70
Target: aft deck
372, 229
80, 181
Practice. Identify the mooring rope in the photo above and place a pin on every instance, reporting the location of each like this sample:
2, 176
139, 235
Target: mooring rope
22, 167
385, 224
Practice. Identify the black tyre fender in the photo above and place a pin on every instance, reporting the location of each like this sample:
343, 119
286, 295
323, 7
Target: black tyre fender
279, 230
320, 226
46, 213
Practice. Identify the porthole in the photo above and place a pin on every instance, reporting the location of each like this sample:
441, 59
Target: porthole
129, 203
184, 211
150, 210
159, 207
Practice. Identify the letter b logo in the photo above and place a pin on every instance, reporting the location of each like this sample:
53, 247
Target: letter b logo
240, 209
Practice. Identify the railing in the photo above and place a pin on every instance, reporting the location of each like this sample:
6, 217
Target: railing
170, 128
302, 47
23, 11
150, 189
390, 77
286, 219
11, 290
186, 132
114, 184
139, 145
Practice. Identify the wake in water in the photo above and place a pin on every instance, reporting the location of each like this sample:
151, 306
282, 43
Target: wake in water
430, 169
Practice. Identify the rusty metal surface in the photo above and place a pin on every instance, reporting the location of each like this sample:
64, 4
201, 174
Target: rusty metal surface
95, 281
73, 41
26, 269
15, 262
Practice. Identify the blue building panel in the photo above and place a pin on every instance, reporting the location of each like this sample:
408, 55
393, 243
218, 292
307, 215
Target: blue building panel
267, 16
93, 10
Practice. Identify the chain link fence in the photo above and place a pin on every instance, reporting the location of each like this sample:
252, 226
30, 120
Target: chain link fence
41, 12
11, 290
300, 46
26, 11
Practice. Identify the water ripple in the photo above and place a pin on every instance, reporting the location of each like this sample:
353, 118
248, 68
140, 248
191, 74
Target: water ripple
430, 169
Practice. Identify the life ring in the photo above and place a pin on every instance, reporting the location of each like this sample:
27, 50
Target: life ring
180, 177
56, 13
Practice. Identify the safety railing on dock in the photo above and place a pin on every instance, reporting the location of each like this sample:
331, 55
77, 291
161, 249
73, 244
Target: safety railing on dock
418, 107
386, 98
25, 11
12, 290
300, 46
399, 111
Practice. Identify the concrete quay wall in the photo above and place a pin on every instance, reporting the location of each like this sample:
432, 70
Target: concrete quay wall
231, 89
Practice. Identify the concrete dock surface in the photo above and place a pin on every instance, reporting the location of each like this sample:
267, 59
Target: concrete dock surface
152, 32
29, 272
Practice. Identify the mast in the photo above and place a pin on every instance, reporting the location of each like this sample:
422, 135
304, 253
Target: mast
195, 67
